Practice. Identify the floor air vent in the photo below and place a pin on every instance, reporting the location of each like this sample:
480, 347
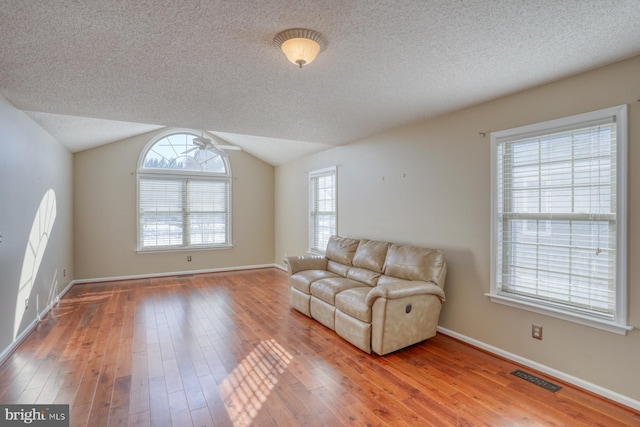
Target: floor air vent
536, 380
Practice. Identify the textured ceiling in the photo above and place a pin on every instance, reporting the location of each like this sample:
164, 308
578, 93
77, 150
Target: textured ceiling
75, 65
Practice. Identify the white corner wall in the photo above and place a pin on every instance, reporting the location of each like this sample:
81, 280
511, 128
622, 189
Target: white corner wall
429, 184
36, 222
105, 216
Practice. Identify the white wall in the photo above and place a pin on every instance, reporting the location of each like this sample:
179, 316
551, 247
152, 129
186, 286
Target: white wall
31, 164
105, 212
429, 184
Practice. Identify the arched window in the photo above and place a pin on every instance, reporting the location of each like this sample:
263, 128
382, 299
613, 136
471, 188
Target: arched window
184, 193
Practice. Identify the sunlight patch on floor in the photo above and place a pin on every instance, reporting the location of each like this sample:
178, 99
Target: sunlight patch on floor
249, 385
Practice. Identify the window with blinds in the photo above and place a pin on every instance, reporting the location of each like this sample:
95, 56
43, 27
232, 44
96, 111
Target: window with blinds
184, 196
559, 191
322, 208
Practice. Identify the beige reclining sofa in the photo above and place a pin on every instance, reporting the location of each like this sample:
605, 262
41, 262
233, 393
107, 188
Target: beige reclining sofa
379, 296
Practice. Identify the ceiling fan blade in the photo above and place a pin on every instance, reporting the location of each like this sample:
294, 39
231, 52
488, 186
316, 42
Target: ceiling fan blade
200, 140
208, 144
190, 150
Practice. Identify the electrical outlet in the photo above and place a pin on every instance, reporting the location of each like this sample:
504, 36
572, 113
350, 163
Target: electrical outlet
188, 258
536, 332
64, 273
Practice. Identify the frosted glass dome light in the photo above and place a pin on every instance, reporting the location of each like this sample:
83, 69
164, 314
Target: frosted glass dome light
301, 46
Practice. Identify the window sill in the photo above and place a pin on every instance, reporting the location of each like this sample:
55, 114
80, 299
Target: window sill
181, 249
559, 314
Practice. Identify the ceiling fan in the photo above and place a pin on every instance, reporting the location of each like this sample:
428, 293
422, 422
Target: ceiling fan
203, 143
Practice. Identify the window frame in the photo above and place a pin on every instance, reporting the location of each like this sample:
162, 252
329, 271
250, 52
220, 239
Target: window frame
330, 171
184, 176
619, 322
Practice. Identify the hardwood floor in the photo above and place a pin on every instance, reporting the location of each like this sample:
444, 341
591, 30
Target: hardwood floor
225, 349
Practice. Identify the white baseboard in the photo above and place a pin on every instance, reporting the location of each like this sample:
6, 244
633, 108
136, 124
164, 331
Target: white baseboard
172, 273
578, 382
39, 316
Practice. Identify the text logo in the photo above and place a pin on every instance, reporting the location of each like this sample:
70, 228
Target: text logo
34, 415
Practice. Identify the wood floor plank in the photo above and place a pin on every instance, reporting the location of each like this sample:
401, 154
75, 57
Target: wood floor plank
202, 418
179, 408
225, 349
190, 382
139, 391
140, 419
118, 416
159, 402
215, 403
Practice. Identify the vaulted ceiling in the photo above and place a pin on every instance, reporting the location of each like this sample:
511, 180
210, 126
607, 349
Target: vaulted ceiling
94, 71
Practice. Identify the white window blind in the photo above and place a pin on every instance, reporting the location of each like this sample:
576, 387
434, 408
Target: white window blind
183, 212
558, 230
184, 194
161, 212
322, 201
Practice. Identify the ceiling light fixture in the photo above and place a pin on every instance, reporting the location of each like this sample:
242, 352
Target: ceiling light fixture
300, 45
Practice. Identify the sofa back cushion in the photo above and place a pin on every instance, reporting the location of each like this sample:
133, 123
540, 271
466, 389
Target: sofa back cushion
341, 249
371, 255
414, 263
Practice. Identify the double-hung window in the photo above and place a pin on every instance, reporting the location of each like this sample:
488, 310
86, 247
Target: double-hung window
184, 194
559, 218
322, 208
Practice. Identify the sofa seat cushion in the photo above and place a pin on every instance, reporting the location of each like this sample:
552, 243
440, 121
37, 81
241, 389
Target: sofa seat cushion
302, 280
327, 289
352, 302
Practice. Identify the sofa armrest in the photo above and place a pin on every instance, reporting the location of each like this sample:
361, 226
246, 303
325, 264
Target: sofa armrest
402, 289
301, 263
